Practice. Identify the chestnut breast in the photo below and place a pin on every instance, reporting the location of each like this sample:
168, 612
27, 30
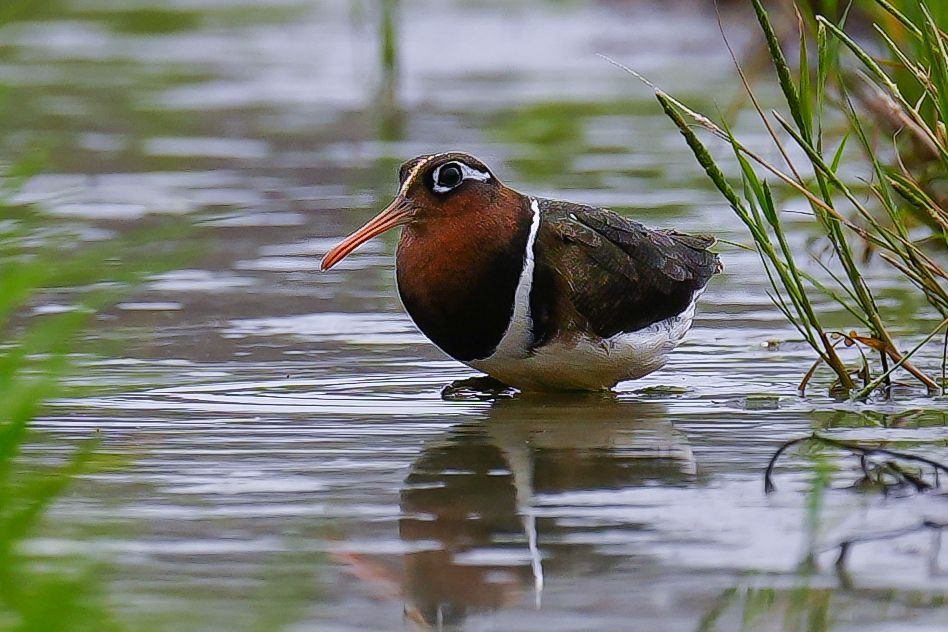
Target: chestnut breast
458, 273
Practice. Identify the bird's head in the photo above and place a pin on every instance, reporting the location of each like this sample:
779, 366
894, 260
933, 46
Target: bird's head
435, 187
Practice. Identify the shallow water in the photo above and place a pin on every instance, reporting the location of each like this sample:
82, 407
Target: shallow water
290, 461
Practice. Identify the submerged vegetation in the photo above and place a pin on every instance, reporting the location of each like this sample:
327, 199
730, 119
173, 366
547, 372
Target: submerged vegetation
878, 212
889, 473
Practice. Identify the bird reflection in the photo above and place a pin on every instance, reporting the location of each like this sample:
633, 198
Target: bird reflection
469, 505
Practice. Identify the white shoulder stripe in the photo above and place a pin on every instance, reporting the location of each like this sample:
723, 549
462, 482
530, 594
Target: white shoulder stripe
516, 341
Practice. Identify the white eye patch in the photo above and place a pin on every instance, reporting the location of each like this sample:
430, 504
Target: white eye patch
449, 175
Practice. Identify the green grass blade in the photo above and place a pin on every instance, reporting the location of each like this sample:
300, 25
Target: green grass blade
838, 155
898, 15
784, 75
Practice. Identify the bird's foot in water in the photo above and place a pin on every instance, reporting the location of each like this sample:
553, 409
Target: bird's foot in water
482, 388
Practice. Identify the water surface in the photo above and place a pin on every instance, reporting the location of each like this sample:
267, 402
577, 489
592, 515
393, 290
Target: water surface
289, 458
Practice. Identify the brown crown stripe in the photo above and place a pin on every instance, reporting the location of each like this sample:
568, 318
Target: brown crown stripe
416, 167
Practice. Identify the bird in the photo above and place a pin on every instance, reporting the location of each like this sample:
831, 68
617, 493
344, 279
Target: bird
539, 294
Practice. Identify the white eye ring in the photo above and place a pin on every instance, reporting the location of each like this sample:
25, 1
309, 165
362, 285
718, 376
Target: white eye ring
467, 173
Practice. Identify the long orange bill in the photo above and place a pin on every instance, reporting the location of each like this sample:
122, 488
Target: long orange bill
397, 213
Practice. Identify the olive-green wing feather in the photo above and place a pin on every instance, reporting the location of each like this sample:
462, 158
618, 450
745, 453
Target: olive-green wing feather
616, 274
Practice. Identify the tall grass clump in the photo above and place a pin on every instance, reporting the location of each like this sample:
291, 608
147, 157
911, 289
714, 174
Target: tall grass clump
878, 213
34, 362
41, 261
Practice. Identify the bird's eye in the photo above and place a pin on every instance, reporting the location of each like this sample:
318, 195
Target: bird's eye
448, 176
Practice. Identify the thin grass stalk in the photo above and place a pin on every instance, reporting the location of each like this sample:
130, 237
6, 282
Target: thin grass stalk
708, 124
756, 104
824, 51
922, 283
804, 125
944, 365
889, 84
916, 71
903, 361
938, 58
894, 240
827, 352
898, 15
895, 215
806, 116
912, 192
795, 97
780, 63
796, 291
799, 188
834, 295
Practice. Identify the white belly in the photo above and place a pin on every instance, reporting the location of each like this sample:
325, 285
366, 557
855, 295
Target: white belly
590, 364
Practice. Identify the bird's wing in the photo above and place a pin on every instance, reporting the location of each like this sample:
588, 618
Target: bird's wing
616, 275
